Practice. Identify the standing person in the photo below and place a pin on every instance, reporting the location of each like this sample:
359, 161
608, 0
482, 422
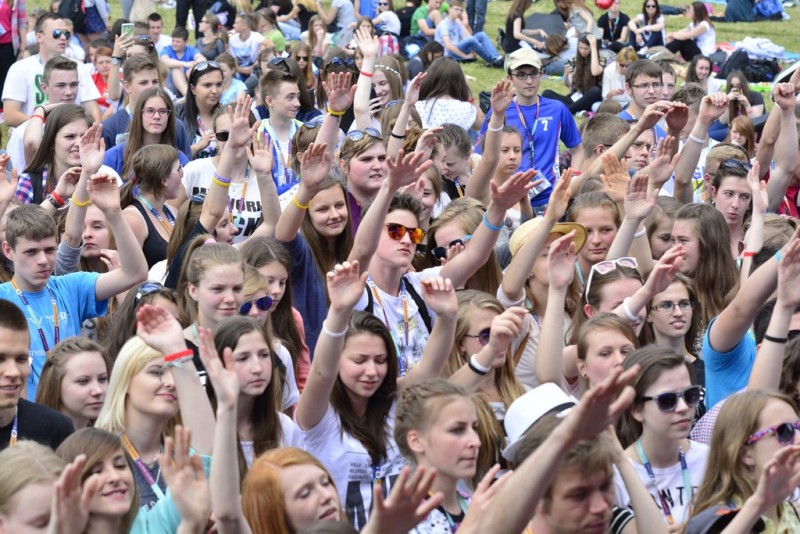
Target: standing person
459, 44
543, 121
699, 37
613, 26
648, 27
476, 14
198, 8
14, 21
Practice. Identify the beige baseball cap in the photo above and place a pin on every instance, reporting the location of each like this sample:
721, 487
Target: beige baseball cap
520, 58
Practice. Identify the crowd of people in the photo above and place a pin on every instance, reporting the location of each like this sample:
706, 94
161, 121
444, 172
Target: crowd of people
287, 280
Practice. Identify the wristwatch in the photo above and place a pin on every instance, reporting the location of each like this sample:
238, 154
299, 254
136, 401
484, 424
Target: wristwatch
116, 60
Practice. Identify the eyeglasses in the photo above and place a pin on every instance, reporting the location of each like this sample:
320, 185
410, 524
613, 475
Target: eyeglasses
358, 135
339, 62
145, 289
784, 433
605, 267
222, 136
398, 231
152, 112
667, 402
263, 304
524, 75
655, 86
667, 306
650, 6
59, 33
383, 3
482, 336
440, 253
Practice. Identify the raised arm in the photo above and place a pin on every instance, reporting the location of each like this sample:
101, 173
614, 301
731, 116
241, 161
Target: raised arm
755, 234
370, 46
92, 149
340, 92
597, 69
786, 146
315, 165
398, 134
639, 203
261, 159
8, 184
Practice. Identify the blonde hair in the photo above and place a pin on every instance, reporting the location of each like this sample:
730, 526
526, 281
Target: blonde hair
24, 464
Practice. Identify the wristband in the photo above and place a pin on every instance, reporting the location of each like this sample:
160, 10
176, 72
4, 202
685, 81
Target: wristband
334, 335
640, 233
476, 367
491, 226
221, 179
58, 199
628, 313
696, 139
178, 357
748, 254
220, 182
38, 117
397, 136
367, 74
75, 202
336, 113
779, 340
300, 206
778, 256
499, 129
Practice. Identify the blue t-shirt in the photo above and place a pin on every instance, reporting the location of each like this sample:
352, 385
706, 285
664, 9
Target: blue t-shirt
554, 122
76, 301
658, 131
115, 158
188, 54
727, 372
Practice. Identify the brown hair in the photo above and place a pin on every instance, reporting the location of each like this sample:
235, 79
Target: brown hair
29, 221
602, 321
136, 130
150, 165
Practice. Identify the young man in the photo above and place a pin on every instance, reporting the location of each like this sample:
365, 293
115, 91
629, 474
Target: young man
643, 84
23, 88
638, 156
60, 85
282, 98
55, 306
179, 57
542, 122
459, 44
155, 28
245, 44
614, 26
140, 73
30, 421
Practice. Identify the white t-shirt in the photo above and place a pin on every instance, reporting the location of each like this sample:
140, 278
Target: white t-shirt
245, 52
437, 111
24, 80
292, 437
345, 13
698, 184
613, 80
290, 394
670, 482
350, 465
706, 41
388, 21
163, 40
197, 177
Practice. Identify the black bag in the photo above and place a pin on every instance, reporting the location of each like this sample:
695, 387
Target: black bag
761, 70
75, 11
736, 61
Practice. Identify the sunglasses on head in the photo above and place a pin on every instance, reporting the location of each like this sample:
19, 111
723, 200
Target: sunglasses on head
349, 62
482, 336
274, 62
263, 304
203, 65
145, 289
222, 136
398, 231
734, 164
440, 253
605, 267
59, 33
667, 402
391, 103
358, 135
784, 433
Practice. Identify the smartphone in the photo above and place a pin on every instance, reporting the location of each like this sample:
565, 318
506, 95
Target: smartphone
127, 29
372, 94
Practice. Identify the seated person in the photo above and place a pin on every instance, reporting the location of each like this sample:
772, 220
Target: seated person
179, 57
457, 42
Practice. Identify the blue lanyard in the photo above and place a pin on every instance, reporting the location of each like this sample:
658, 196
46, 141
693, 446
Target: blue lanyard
284, 163
687, 483
401, 358
530, 132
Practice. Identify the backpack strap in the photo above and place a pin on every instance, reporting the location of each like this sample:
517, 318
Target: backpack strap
36, 178
421, 306
521, 349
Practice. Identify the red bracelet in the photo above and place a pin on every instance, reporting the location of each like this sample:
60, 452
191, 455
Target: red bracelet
179, 356
58, 198
748, 254
367, 74
38, 117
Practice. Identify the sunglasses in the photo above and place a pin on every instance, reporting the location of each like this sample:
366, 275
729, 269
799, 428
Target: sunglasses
198, 198
203, 65
222, 136
440, 253
392, 103
734, 164
358, 135
58, 34
263, 304
605, 267
146, 289
667, 402
784, 433
339, 62
482, 336
274, 62
398, 231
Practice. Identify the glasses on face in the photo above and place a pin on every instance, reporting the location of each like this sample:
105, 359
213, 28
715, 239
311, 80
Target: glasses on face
152, 112
302, 58
440, 253
398, 231
667, 402
222, 136
263, 304
651, 6
784, 433
655, 86
59, 33
146, 289
358, 135
667, 306
524, 75
482, 336
605, 267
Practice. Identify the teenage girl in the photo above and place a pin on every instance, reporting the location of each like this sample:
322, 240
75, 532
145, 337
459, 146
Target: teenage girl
600, 215
732, 195
659, 225
381, 75
202, 100
655, 429
647, 28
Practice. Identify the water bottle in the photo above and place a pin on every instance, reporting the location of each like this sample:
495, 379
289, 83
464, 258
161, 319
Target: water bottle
191, 21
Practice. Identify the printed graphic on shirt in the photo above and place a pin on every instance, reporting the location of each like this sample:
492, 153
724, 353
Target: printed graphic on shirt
361, 478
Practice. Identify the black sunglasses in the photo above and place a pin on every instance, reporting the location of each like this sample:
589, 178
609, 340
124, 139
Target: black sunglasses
145, 289
482, 336
440, 253
263, 304
735, 164
59, 33
222, 136
667, 402
339, 62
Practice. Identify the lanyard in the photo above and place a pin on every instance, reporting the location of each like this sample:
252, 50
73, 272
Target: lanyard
131, 450
461, 504
284, 162
530, 132
459, 188
38, 322
404, 297
169, 224
240, 204
687, 483
612, 25
13, 440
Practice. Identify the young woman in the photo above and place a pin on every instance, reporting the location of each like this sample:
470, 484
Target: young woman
316, 41
445, 97
102, 67
304, 55
232, 87
659, 225
583, 75
268, 27
737, 84
158, 174
732, 195
614, 77
214, 40
379, 74
743, 134
648, 27
600, 216
202, 100
699, 37
699, 72
74, 380
336, 62
655, 429
459, 161
152, 123
516, 35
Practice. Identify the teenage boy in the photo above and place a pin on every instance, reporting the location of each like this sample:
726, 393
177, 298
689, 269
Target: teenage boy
542, 122
140, 73
643, 84
459, 44
155, 27
245, 44
22, 91
282, 97
55, 306
179, 57
28, 420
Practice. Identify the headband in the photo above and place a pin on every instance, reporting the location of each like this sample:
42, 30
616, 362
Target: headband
390, 69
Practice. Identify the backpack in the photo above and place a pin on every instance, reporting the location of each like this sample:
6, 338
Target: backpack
421, 306
768, 9
737, 61
761, 70
75, 11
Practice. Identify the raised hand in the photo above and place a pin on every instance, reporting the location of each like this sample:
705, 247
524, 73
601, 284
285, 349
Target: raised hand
110, 257
260, 155
315, 165
677, 116
241, 132
67, 182
345, 286
406, 169
104, 193
502, 94
561, 261
224, 381
340, 91
615, 177
783, 95
92, 149
638, 203
440, 296
412, 93
513, 190
159, 329
8, 181
559, 198
505, 328
653, 113
779, 478
788, 274
712, 107
663, 164
665, 270
409, 501
427, 141
758, 189
483, 496
72, 499
186, 478
369, 45
375, 106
